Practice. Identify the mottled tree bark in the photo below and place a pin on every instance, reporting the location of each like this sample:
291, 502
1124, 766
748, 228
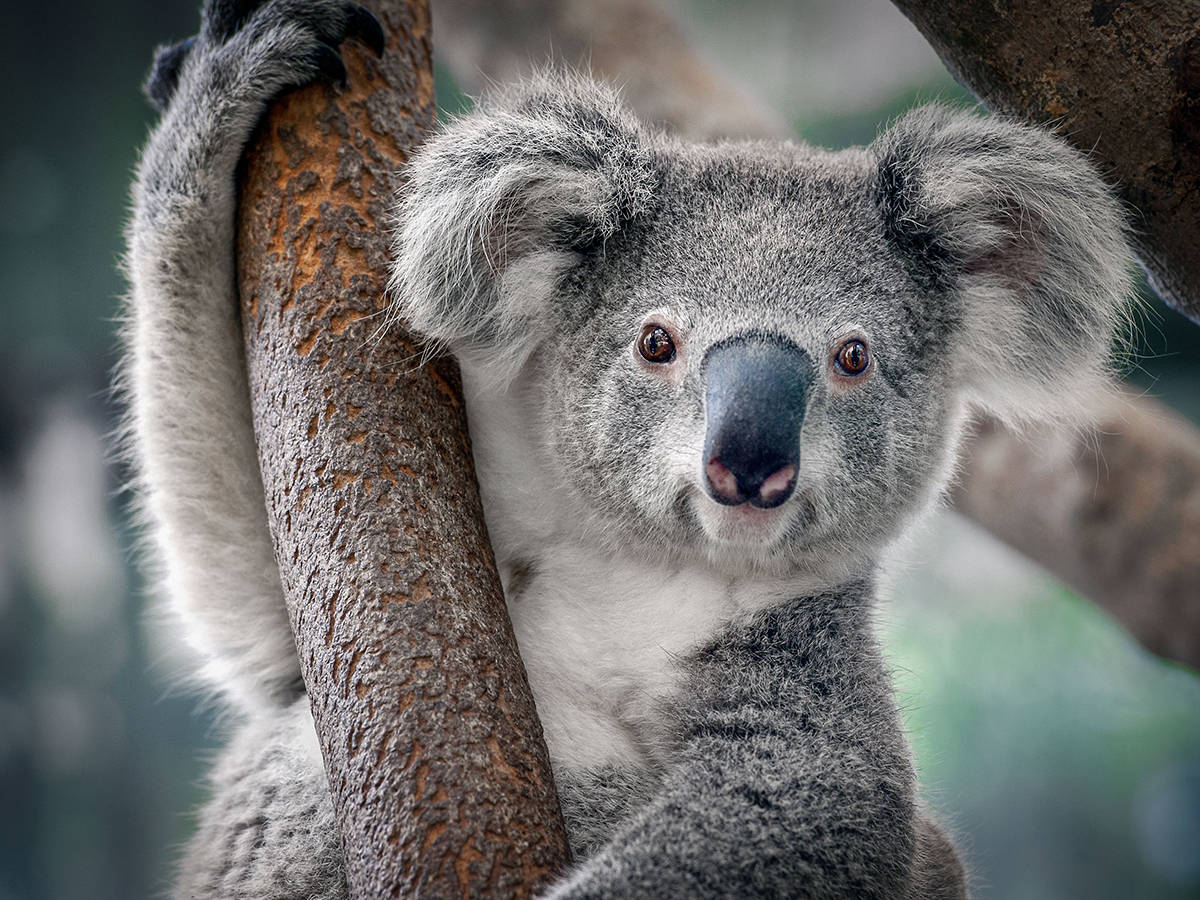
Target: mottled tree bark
435, 756
1143, 568
1118, 78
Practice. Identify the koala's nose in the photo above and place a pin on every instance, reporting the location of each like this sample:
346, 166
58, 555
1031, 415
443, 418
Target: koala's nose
755, 393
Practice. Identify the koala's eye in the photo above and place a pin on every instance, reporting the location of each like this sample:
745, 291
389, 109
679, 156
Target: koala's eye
655, 344
853, 357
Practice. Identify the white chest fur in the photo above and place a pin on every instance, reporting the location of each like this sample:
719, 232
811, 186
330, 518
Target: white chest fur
602, 636
601, 632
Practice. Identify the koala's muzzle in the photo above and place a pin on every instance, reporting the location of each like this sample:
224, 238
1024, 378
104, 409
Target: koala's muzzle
755, 393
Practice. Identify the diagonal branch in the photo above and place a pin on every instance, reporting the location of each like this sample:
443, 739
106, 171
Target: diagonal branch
1144, 569
1118, 78
439, 774
1114, 513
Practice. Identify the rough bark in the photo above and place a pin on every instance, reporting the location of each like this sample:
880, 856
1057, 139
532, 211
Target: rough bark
1119, 79
439, 773
1088, 538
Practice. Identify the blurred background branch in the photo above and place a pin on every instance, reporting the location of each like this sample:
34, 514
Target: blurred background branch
1114, 512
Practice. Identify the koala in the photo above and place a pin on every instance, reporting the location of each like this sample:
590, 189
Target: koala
711, 388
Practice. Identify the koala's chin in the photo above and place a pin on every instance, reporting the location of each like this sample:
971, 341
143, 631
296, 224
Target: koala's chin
744, 529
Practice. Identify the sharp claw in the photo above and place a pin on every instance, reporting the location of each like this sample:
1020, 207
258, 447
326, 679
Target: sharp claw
363, 25
329, 63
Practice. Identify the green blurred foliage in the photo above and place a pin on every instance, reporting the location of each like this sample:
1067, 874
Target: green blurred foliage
1065, 756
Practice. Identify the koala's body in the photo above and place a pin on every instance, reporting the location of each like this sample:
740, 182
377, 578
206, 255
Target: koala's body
709, 386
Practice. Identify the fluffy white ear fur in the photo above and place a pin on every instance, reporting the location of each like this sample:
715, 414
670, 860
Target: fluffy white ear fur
1021, 231
499, 208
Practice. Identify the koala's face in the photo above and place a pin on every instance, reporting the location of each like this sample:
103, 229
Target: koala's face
740, 374
758, 353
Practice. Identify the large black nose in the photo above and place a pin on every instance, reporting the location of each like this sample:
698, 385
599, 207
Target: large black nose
755, 392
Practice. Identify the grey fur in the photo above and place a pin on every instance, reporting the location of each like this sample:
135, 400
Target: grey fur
717, 711
773, 789
191, 440
269, 830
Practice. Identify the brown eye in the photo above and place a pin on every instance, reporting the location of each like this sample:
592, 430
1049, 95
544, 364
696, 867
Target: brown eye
853, 358
656, 345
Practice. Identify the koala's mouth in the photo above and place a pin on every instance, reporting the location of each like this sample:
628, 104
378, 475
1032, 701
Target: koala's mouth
744, 525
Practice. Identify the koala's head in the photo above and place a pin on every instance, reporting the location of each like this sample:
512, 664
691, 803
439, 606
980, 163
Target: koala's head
758, 352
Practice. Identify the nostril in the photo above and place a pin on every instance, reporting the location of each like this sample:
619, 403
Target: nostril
776, 488
722, 483
733, 487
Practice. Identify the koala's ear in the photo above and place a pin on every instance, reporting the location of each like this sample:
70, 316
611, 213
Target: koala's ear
1024, 245
504, 202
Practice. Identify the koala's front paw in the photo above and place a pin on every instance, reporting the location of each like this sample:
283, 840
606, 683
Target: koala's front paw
251, 50
222, 19
287, 43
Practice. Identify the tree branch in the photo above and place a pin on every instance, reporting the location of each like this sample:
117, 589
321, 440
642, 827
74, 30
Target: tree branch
439, 774
1120, 79
1142, 568
1114, 512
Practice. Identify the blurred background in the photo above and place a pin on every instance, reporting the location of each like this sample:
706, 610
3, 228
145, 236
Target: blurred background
1066, 758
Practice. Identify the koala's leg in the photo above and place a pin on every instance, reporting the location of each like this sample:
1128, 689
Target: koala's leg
595, 801
792, 778
183, 374
269, 829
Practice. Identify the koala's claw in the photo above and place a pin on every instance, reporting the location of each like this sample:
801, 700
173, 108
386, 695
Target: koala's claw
329, 63
361, 24
280, 44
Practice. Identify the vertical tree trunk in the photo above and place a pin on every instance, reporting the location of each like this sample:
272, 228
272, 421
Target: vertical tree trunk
434, 753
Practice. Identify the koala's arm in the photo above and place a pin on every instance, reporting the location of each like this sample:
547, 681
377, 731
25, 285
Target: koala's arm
184, 376
792, 779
